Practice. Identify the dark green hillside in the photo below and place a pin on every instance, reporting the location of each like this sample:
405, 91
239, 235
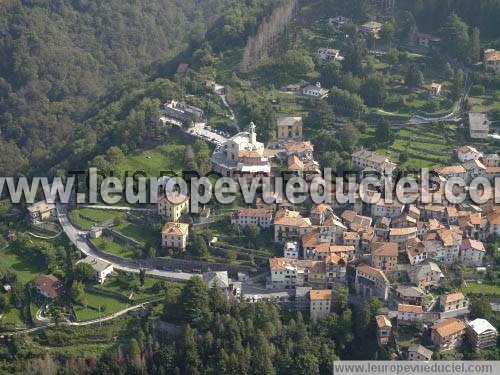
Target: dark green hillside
58, 57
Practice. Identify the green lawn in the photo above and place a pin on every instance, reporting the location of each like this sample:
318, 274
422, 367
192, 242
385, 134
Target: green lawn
12, 319
108, 245
486, 289
483, 103
167, 157
25, 270
132, 289
109, 305
88, 217
138, 233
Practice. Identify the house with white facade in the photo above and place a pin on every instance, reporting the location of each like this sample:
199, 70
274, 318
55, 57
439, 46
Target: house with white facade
315, 91
417, 352
241, 155
291, 250
101, 267
370, 161
481, 334
258, 216
283, 272
408, 314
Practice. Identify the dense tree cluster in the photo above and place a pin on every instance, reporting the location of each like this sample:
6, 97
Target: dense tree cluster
57, 58
431, 14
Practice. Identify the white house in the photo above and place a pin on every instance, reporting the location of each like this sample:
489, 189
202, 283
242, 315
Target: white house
386, 209
258, 216
283, 272
408, 314
481, 334
291, 250
474, 168
241, 155
418, 352
101, 267
175, 235
315, 91
370, 161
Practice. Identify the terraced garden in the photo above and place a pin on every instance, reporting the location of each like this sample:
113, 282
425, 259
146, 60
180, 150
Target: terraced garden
425, 145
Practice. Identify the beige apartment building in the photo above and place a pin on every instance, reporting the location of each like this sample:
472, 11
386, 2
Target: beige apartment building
172, 206
289, 127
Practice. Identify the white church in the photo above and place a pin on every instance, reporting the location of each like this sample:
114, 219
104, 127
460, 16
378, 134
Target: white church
241, 155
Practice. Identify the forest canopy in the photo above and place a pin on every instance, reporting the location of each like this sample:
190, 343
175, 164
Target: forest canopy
58, 57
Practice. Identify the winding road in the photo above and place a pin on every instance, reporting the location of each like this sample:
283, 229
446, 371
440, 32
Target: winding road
79, 239
81, 324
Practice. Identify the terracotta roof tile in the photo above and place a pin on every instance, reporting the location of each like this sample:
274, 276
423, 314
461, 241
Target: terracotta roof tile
410, 308
382, 321
449, 327
178, 229
385, 249
373, 272
452, 297
320, 294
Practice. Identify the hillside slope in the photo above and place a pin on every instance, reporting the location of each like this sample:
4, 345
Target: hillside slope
58, 57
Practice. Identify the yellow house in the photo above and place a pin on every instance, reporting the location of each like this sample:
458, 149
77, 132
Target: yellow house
172, 206
289, 127
174, 235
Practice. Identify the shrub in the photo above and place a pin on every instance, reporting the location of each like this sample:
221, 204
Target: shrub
477, 90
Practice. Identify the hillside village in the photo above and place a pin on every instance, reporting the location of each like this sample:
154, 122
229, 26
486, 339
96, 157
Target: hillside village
370, 94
